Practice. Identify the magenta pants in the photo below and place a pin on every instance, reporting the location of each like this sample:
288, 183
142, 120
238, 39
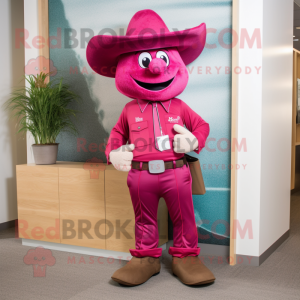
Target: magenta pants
175, 186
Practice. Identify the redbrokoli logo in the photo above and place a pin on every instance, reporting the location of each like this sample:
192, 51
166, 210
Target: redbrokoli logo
39, 258
94, 166
71, 38
174, 120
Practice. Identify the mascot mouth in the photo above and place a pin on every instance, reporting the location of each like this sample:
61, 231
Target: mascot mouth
154, 86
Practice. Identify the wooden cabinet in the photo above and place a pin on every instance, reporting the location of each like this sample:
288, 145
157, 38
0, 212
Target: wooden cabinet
76, 204
82, 209
119, 211
38, 203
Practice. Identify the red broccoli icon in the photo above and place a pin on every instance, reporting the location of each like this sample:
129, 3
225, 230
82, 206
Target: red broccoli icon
40, 64
94, 165
39, 258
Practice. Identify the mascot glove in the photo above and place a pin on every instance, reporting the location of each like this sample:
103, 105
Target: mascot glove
121, 158
185, 141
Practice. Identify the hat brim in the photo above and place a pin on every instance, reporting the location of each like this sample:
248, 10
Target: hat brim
103, 50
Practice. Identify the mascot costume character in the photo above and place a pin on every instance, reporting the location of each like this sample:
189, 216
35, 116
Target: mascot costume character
153, 133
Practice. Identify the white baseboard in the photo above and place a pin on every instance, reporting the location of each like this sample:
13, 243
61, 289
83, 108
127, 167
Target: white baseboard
214, 250
206, 249
80, 250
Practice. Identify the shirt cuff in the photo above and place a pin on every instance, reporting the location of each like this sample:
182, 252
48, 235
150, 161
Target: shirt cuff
201, 142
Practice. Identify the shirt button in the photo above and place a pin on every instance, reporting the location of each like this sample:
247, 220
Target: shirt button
139, 127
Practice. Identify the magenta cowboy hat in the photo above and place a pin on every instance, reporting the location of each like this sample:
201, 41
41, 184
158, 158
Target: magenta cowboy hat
146, 31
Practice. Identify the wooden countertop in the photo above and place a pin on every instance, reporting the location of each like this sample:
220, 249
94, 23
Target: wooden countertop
69, 164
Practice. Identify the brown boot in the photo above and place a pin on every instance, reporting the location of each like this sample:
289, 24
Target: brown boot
137, 271
191, 271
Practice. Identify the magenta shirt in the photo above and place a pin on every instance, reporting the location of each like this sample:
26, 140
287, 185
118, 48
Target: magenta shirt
135, 125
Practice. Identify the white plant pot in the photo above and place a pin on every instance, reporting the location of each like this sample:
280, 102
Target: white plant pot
45, 154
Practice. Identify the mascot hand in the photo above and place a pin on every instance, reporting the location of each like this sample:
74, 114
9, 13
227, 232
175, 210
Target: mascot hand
185, 141
122, 157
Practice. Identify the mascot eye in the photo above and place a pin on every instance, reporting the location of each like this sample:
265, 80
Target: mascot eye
144, 60
163, 55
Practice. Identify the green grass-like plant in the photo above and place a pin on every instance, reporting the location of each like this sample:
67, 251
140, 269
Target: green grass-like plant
42, 108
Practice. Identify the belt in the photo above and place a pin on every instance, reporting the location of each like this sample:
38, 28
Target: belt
168, 164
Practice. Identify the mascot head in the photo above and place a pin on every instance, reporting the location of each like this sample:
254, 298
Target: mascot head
149, 62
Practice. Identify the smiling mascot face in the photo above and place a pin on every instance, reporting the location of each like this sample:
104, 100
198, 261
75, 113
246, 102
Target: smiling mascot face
153, 75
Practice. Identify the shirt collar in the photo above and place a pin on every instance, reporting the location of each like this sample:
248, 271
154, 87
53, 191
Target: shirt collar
144, 103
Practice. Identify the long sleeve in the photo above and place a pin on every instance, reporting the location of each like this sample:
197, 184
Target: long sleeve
195, 124
119, 134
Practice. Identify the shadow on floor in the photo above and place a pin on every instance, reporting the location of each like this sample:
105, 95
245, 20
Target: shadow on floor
8, 233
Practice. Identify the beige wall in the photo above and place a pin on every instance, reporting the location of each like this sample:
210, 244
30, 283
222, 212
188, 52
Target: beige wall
12, 146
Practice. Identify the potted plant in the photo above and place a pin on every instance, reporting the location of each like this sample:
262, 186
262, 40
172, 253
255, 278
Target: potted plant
43, 109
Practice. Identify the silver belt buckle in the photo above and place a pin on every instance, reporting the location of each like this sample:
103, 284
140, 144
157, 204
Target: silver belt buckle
156, 166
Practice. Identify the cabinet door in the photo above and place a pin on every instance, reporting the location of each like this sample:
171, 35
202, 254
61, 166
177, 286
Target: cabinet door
119, 211
38, 203
82, 209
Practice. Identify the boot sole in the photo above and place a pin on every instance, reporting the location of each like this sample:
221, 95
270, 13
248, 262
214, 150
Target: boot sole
200, 283
131, 284
197, 283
